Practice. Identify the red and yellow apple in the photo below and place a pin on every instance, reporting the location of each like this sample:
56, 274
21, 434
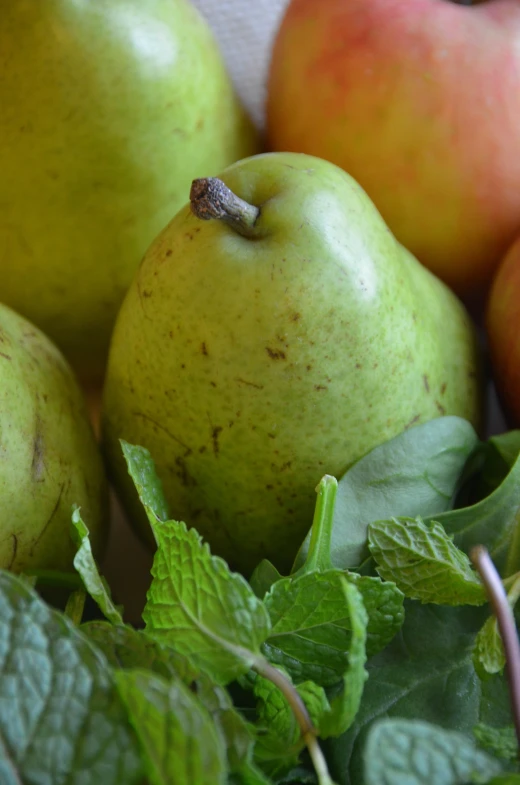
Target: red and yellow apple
503, 327
419, 100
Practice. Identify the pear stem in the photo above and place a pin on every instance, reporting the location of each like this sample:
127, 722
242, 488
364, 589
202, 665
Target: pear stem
211, 198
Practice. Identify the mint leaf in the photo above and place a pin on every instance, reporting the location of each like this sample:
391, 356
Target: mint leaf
238, 735
86, 566
61, 719
279, 741
179, 739
345, 705
277, 717
426, 673
502, 742
383, 603
263, 577
141, 469
416, 473
424, 563
127, 648
310, 627
489, 650
414, 752
492, 522
202, 609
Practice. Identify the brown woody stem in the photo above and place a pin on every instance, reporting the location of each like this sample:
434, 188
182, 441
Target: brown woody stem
211, 198
506, 625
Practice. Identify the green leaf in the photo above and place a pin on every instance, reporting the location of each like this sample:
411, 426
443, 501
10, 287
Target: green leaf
310, 627
202, 609
498, 456
414, 752
416, 473
426, 673
141, 469
263, 577
492, 522
127, 648
345, 705
384, 605
86, 566
424, 563
279, 741
238, 735
179, 740
502, 742
275, 714
505, 779
61, 719
489, 650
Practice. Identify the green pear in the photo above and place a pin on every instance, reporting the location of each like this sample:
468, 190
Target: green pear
49, 458
279, 341
108, 111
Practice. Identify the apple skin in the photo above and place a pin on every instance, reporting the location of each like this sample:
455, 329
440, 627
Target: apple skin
419, 101
503, 329
108, 111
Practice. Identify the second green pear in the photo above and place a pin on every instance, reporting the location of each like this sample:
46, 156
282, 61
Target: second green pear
255, 354
108, 111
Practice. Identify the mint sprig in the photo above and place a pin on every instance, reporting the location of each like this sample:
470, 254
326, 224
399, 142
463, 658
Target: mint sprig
424, 562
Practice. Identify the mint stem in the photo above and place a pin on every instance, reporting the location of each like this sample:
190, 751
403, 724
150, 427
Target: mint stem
75, 606
56, 579
211, 198
506, 625
293, 698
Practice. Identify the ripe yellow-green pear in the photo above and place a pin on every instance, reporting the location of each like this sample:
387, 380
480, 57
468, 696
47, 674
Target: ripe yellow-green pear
49, 458
108, 110
278, 341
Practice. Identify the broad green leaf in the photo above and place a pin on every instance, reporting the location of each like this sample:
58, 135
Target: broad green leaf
489, 650
415, 753
199, 607
345, 705
424, 563
505, 779
86, 566
497, 456
179, 740
426, 673
61, 720
502, 742
127, 648
141, 469
416, 473
263, 577
492, 522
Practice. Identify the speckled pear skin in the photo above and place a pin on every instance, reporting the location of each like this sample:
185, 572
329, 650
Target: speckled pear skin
250, 368
108, 110
49, 458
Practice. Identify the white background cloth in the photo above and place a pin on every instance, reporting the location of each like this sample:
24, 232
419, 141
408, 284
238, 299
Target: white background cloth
244, 30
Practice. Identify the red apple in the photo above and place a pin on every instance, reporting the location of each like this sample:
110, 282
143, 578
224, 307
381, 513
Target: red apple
419, 100
503, 327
